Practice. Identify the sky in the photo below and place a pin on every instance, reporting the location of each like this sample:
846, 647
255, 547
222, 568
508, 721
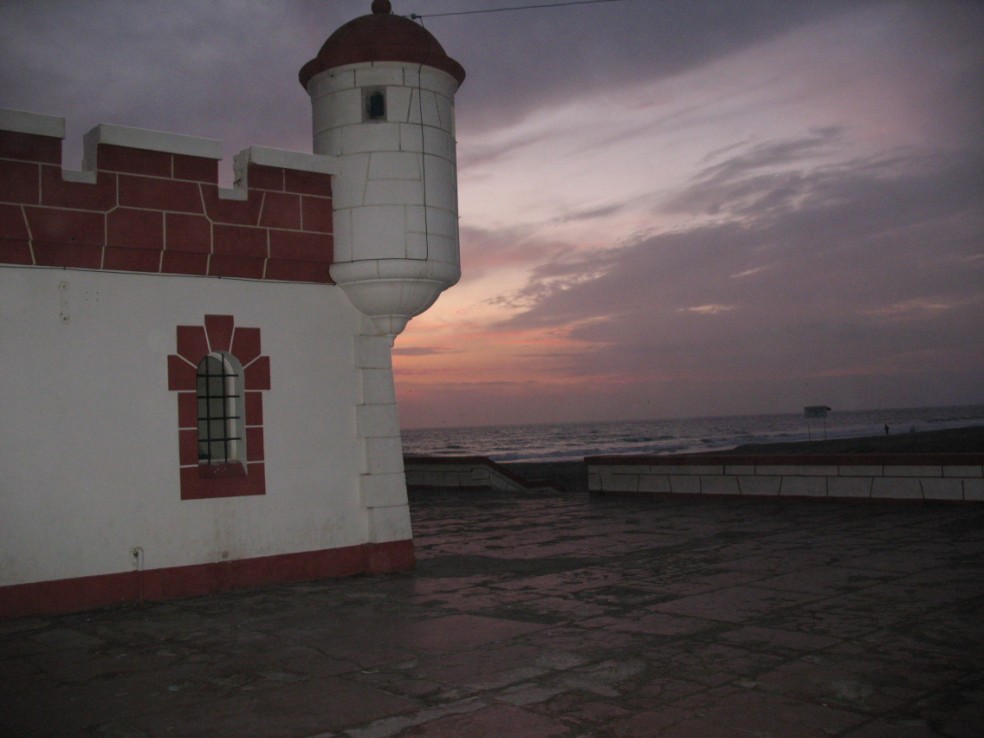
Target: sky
668, 208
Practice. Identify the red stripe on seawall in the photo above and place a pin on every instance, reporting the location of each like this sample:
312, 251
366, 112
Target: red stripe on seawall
88, 593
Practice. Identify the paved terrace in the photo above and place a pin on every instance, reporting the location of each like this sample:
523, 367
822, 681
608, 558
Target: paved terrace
555, 614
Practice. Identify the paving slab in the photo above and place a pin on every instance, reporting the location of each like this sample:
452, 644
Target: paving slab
553, 614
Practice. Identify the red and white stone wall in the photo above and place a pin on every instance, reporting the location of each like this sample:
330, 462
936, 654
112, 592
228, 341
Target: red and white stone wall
941, 477
112, 281
150, 202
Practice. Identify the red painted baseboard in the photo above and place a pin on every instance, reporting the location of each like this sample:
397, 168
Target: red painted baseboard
87, 593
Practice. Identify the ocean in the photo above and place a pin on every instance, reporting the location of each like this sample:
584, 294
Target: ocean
574, 441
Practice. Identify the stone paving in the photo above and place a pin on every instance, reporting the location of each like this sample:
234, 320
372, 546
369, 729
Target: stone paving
553, 615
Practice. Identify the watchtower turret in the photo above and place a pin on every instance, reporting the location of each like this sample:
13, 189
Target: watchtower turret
382, 92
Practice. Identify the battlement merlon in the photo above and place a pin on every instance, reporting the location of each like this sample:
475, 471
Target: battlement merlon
263, 156
35, 124
124, 137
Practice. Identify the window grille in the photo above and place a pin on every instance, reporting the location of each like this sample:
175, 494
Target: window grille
220, 421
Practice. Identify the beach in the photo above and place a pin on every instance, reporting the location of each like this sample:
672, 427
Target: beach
571, 476
950, 441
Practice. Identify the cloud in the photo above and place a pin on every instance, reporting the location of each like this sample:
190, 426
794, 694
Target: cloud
626, 172
711, 309
919, 308
825, 244
485, 250
421, 351
228, 69
225, 70
773, 154
847, 266
590, 214
553, 55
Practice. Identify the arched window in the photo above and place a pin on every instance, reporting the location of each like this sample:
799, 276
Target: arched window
219, 390
219, 374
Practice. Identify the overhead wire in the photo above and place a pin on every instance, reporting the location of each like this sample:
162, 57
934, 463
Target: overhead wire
420, 19
418, 16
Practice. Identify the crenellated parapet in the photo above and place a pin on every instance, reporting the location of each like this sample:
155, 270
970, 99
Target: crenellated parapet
147, 201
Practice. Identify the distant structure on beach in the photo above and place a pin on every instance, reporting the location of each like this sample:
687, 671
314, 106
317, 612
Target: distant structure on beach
816, 412
197, 389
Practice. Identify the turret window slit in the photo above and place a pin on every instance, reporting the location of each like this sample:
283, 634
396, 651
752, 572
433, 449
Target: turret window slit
374, 104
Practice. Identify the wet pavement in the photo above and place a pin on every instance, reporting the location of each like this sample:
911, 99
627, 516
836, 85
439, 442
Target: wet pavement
553, 615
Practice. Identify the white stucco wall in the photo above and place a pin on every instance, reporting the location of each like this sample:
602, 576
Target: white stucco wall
89, 439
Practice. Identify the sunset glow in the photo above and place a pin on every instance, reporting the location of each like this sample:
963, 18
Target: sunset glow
667, 209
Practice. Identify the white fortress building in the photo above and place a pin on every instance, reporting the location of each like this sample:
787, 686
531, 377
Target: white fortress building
196, 386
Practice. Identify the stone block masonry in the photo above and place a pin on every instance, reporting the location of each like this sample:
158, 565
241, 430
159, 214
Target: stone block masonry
948, 477
150, 202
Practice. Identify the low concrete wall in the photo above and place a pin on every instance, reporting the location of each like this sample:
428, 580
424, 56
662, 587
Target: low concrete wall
463, 471
954, 477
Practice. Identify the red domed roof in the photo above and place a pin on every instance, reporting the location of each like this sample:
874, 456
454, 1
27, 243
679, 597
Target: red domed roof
381, 36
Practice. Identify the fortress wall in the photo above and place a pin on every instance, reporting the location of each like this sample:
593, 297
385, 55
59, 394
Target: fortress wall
954, 477
150, 202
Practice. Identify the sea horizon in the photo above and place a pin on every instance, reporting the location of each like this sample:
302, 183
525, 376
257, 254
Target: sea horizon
562, 441
831, 413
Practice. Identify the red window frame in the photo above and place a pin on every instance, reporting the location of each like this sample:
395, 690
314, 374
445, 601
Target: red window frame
219, 334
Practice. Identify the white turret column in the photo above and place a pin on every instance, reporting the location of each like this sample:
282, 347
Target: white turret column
382, 92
